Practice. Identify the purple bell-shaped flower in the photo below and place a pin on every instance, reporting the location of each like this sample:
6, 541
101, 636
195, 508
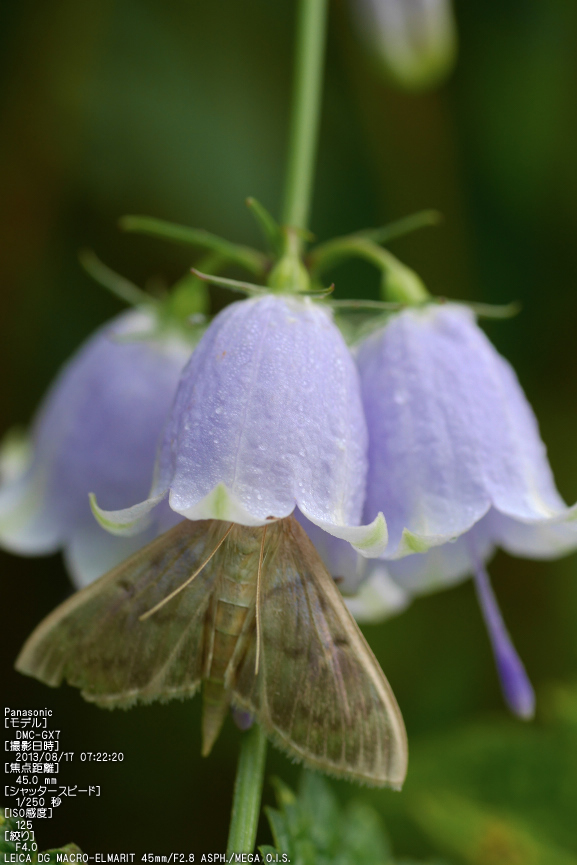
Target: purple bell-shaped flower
267, 419
96, 431
456, 464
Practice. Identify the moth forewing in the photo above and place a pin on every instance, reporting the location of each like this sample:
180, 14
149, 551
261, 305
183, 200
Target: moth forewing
184, 609
96, 641
319, 692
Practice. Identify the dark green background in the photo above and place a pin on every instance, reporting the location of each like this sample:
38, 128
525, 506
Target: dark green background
179, 109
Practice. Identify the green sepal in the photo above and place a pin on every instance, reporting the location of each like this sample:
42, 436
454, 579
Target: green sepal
400, 227
491, 310
118, 285
270, 228
233, 284
251, 259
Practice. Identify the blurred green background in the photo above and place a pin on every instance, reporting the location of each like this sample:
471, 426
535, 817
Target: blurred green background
179, 109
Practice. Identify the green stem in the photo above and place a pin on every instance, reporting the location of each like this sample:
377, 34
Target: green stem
250, 259
401, 284
247, 792
309, 61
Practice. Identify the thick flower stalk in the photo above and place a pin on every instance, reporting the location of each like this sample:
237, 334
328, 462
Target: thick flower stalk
96, 431
456, 464
267, 418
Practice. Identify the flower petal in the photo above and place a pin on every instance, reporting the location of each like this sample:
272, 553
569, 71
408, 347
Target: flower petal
267, 417
445, 565
450, 432
369, 540
98, 429
126, 522
91, 551
378, 597
542, 539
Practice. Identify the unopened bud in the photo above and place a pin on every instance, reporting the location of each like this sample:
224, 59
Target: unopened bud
413, 41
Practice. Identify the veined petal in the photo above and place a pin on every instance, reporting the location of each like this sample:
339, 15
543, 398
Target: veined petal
451, 434
97, 430
268, 417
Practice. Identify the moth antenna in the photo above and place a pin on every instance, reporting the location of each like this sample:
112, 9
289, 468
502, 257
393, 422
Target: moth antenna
188, 581
258, 573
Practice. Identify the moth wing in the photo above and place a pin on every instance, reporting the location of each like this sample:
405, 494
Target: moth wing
96, 641
319, 691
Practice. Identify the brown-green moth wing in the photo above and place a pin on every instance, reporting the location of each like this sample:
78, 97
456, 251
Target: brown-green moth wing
96, 642
319, 691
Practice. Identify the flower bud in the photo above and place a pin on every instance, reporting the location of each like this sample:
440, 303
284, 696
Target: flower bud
414, 42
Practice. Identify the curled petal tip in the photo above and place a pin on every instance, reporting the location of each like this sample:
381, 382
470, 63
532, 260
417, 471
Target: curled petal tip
128, 521
369, 540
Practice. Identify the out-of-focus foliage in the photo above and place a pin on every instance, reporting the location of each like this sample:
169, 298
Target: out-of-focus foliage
497, 793
14, 848
312, 829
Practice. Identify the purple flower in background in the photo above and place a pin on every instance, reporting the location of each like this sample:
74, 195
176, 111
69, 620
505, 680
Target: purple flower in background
267, 418
413, 41
456, 464
96, 431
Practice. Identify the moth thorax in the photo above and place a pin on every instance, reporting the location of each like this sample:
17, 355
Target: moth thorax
244, 541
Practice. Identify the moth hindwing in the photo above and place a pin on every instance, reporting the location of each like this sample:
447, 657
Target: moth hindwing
261, 623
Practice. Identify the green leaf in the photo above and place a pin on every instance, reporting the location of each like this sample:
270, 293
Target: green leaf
312, 828
496, 792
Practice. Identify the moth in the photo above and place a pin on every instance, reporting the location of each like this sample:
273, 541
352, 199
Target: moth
253, 615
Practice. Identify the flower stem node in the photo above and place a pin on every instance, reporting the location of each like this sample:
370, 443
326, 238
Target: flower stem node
267, 418
289, 275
